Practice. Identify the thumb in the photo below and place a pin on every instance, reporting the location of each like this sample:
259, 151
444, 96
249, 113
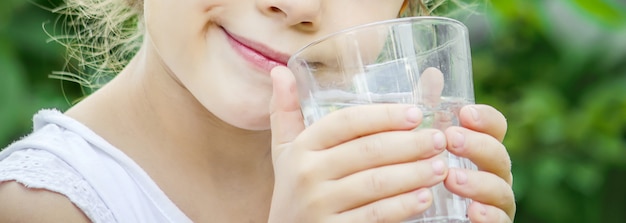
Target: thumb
285, 117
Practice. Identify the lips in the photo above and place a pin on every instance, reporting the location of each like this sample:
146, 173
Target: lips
261, 56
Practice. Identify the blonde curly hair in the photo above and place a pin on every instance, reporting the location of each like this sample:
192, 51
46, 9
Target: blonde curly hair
101, 36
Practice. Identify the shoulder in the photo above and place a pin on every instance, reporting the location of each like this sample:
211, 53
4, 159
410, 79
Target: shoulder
52, 187
22, 204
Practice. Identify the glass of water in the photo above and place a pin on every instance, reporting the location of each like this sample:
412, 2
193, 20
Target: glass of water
423, 61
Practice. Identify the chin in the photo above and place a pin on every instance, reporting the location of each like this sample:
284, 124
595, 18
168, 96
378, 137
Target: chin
245, 119
252, 125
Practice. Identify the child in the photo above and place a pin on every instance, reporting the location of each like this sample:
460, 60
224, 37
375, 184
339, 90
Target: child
203, 125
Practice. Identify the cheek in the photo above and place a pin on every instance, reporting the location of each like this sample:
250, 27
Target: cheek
346, 14
176, 31
192, 49
227, 88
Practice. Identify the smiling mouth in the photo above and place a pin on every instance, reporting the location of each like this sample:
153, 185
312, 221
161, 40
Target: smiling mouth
261, 56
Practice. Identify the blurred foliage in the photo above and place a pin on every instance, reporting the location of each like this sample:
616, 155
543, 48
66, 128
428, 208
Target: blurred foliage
26, 60
555, 68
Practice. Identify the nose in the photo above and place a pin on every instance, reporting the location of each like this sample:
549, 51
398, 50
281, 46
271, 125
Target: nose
303, 14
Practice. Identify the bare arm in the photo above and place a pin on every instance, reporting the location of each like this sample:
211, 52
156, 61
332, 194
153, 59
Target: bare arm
22, 204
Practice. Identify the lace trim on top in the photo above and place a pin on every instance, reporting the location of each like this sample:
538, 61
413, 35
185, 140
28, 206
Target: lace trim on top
43, 170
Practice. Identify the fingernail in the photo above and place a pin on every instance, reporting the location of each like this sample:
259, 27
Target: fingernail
438, 167
474, 113
458, 140
461, 177
482, 209
413, 115
423, 195
439, 141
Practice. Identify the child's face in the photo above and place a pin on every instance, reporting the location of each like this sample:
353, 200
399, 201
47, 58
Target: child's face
222, 50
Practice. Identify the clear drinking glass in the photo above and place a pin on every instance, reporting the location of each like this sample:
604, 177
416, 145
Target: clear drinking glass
423, 61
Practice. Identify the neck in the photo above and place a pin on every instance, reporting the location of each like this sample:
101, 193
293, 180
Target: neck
145, 109
199, 161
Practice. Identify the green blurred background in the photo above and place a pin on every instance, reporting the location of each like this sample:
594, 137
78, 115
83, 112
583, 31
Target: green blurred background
555, 68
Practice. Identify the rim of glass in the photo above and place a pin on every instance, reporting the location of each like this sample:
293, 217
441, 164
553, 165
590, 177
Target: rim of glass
432, 19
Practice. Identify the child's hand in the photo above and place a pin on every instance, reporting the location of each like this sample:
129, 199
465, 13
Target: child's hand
337, 170
480, 140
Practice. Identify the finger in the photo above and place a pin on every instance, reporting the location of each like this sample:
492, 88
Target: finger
442, 119
430, 86
483, 150
482, 187
354, 122
368, 186
392, 209
481, 213
484, 118
285, 116
381, 149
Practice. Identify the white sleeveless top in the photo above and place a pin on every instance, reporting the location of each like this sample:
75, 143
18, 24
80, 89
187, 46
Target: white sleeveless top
64, 156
